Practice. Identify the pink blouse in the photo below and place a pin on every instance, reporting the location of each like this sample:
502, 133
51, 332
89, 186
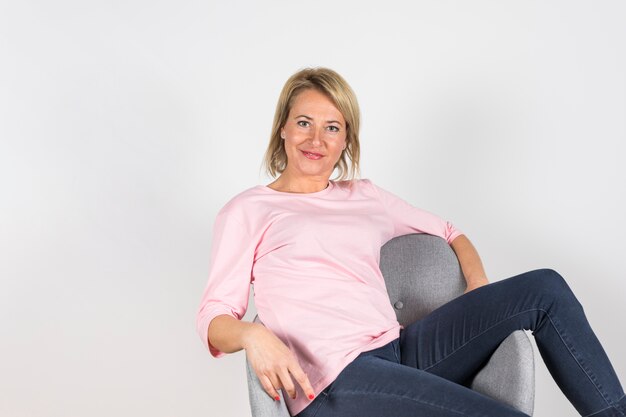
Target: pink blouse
313, 262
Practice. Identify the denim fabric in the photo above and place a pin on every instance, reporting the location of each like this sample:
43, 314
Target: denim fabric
426, 372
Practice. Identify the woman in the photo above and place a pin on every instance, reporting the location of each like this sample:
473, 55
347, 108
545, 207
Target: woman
330, 338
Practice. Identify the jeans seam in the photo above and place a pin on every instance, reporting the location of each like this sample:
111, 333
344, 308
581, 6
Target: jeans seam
404, 397
555, 328
395, 351
321, 402
576, 359
606, 408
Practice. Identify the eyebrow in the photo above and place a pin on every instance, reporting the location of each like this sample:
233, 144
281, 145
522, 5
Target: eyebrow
328, 121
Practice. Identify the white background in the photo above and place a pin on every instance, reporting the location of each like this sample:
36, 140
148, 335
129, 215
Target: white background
126, 125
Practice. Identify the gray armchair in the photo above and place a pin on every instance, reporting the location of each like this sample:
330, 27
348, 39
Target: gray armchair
422, 273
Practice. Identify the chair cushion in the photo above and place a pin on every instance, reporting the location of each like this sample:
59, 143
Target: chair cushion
509, 376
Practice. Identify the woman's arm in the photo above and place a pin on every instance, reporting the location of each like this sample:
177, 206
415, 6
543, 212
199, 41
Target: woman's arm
471, 264
228, 334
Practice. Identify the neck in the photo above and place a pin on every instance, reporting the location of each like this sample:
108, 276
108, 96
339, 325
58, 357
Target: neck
299, 186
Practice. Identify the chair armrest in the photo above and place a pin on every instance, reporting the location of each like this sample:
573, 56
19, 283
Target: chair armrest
509, 376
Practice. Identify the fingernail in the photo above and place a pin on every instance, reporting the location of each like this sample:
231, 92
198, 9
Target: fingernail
277, 398
311, 396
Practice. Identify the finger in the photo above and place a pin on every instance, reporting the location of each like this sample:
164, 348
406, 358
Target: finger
287, 382
302, 379
269, 387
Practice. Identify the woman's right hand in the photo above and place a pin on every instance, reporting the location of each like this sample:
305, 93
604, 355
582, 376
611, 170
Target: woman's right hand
273, 363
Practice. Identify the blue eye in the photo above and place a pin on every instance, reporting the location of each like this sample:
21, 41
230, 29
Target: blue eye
301, 121
334, 127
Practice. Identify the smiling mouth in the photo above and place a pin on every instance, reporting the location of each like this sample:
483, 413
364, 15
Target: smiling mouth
310, 155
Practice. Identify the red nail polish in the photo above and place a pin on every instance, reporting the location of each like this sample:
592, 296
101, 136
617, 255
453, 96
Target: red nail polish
310, 396
277, 398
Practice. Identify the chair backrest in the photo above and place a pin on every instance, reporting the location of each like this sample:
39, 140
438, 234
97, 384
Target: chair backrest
422, 273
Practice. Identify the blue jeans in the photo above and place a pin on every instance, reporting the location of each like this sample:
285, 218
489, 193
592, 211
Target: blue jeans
427, 370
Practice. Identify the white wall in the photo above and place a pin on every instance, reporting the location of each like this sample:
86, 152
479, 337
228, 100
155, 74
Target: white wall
126, 125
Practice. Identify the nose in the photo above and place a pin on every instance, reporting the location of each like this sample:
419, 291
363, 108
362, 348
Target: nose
316, 136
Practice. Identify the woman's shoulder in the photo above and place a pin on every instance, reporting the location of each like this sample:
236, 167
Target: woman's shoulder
358, 186
359, 182
241, 202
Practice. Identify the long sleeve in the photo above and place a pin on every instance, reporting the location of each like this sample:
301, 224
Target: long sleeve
230, 271
407, 218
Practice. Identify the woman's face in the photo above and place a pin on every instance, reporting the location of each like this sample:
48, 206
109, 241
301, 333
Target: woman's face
315, 125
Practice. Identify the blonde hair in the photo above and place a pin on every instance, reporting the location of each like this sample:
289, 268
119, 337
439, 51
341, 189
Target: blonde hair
339, 92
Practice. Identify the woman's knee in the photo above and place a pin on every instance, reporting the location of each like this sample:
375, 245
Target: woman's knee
549, 282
